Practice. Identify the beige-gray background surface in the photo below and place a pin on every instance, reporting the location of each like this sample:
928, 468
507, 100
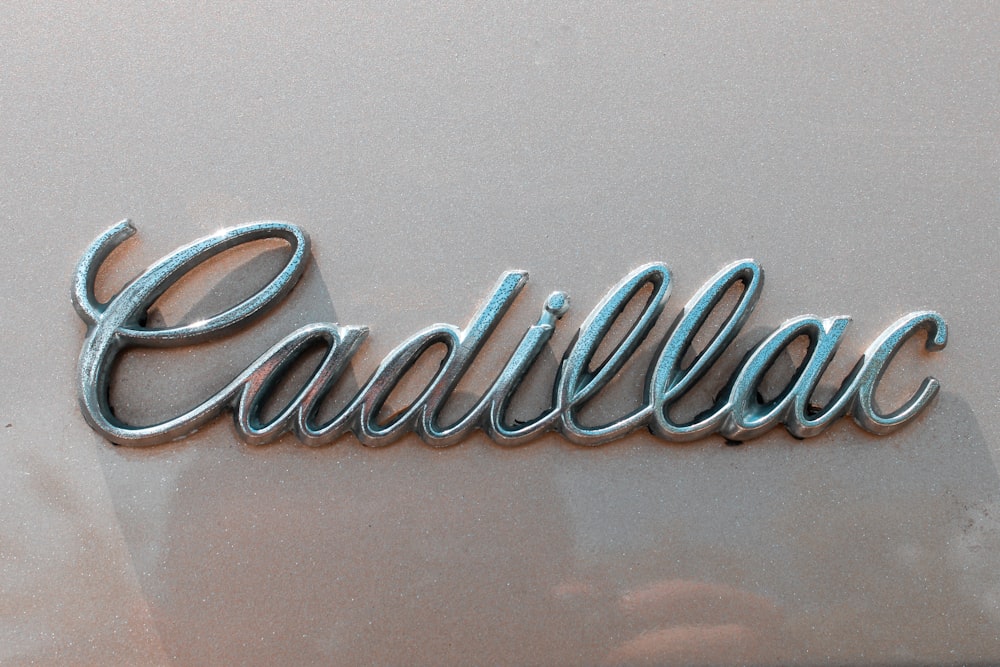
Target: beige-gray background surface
851, 150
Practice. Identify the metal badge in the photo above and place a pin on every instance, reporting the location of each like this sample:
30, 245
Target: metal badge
738, 414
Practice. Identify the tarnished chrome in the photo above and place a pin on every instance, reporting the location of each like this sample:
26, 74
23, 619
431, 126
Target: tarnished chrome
737, 414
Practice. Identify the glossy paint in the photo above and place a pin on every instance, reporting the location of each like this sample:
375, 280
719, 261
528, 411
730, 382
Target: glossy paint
428, 149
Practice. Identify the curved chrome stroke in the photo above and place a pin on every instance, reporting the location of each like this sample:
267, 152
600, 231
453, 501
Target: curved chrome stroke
115, 325
737, 414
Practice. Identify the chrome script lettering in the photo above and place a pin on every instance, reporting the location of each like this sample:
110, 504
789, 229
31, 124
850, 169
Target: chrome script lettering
738, 413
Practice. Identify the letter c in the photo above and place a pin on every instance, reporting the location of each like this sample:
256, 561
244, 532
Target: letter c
876, 360
115, 325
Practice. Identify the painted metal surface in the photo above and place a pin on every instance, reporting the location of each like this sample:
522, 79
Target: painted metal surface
428, 149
